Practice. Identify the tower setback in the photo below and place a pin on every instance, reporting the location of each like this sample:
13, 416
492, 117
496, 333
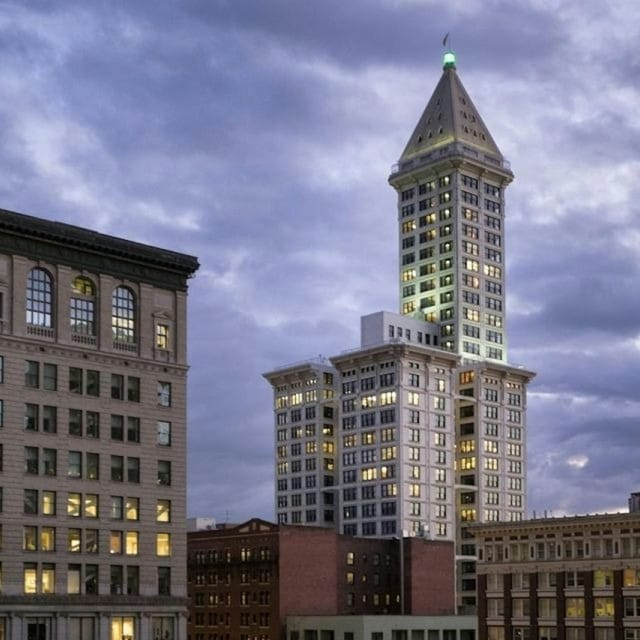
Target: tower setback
428, 419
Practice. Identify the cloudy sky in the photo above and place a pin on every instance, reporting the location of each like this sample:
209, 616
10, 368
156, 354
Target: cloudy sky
259, 135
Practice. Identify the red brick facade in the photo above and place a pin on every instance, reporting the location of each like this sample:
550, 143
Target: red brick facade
245, 580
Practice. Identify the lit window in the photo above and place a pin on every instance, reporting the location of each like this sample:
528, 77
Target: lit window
82, 309
162, 336
163, 544
30, 577
163, 511
74, 540
132, 543
123, 322
132, 508
90, 505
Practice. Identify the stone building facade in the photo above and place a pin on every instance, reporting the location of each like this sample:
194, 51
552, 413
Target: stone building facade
93, 434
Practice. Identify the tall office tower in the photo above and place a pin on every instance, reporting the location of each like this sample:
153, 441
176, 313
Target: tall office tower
93, 383
431, 419
450, 181
305, 442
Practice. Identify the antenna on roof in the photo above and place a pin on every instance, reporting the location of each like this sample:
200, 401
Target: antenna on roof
449, 58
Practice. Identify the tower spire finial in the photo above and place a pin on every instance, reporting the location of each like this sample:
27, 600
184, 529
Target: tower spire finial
449, 59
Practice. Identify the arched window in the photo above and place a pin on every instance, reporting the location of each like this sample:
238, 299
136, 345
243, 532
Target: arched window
123, 315
39, 298
82, 306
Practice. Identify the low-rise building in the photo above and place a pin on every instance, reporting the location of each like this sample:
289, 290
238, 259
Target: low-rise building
570, 578
245, 580
381, 628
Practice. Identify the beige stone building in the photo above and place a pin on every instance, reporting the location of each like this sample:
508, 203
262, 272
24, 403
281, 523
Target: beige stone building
570, 578
93, 434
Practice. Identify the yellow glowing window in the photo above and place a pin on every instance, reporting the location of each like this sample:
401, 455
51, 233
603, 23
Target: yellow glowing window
408, 307
413, 398
132, 508
408, 274
48, 578
467, 464
90, 505
575, 608
162, 336
163, 544
471, 265
30, 575
74, 502
74, 540
83, 286
163, 511
368, 401
131, 543
122, 628
388, 453
604, 607
47, 539
467, 515
370, 473
467, 446
631, 577
49, 503
388, 397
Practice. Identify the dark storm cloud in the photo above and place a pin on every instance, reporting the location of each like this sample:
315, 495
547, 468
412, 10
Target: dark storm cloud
259, 135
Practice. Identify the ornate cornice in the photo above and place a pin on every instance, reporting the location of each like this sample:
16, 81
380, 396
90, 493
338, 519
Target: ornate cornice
79, 248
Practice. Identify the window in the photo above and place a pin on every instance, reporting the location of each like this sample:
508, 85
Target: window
93, 466
117, 427
30, 501
49, 462
163, 544
32, 374
133, 389
92, 424
82, 307
39, 298
163, 433
164, 472
31, 460
163, 511
75, 422
133, 469
162, 336
49, 419
123, 323
117, 386
50, 377
164, 394
133, 429
132, 508
117, 468
164, 589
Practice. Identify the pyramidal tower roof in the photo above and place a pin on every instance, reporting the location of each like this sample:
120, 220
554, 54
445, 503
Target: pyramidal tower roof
450, 116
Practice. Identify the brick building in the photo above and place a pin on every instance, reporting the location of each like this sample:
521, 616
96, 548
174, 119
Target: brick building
245, 580
571, 578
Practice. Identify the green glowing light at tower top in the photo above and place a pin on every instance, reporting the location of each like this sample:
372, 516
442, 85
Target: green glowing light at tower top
449, 60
